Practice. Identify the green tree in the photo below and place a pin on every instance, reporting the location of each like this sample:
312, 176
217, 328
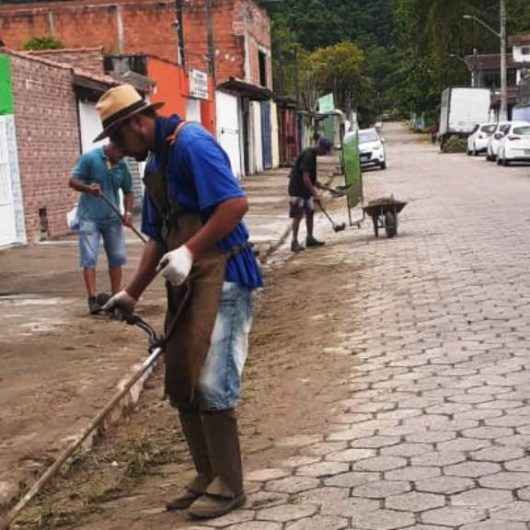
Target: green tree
339, 69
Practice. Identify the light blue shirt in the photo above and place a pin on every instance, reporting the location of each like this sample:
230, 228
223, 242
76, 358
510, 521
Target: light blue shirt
95, 168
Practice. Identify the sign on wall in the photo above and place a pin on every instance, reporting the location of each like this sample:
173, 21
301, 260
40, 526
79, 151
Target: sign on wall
198, 84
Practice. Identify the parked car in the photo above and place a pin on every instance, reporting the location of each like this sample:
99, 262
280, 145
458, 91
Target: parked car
515, 146
477, 141
371, 149
494, 140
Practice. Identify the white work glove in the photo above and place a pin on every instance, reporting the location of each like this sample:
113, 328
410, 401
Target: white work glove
176, 265
122, 300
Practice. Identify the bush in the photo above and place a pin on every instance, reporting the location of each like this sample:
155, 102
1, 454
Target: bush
43, 43
455, 145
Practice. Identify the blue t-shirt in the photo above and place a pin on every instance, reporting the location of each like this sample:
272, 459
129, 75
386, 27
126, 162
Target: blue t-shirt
95, 167
199, 179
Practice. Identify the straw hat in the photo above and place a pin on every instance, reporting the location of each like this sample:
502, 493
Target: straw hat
118, 104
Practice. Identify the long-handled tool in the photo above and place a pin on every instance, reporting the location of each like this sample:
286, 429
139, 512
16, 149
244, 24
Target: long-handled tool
337, 228
155, 350
113, 207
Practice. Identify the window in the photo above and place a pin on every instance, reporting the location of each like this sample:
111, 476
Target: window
525, 50
522, 131
489, 129
262, 68
368, 136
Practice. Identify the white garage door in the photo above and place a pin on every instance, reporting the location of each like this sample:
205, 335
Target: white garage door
8, 229
228, 128
90, 126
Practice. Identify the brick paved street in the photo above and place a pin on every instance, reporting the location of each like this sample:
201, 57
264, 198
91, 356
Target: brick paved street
436, 428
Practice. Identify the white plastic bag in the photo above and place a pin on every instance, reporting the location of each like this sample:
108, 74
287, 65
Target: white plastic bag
72, 219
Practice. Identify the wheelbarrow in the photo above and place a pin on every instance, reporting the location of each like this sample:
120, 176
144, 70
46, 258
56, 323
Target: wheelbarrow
384, 213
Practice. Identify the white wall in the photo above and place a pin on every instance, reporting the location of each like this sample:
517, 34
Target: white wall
518, 55
275, 136
256, 147
89, 125
193, 110
12, 222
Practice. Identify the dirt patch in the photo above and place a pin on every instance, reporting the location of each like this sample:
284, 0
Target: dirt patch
290, 380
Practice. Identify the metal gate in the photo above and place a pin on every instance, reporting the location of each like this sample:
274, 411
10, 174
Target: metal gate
266, 134
228, 128
8, 227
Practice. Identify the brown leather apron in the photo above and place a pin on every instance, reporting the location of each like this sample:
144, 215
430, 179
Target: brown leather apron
192, 307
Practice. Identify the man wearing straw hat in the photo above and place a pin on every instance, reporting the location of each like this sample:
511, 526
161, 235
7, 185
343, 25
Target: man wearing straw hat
192, 214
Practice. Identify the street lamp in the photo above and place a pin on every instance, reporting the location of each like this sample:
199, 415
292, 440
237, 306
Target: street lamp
503, 115
455, 56
474, 81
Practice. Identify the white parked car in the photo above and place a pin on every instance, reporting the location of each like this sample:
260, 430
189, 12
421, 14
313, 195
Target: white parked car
494, 141
477, 141
515, 146
371, 149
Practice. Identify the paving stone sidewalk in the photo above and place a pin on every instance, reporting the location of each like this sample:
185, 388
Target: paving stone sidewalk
436, 431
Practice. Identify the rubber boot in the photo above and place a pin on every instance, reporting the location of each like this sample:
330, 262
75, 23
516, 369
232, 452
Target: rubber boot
225, 493
192, 428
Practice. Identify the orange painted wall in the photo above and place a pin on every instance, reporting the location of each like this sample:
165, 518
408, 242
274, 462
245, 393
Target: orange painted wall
171, 86
208, 109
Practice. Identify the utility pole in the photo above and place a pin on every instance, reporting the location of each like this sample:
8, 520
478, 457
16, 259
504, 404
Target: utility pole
210, 38
297, 77
504, 76
181, 56
503, 114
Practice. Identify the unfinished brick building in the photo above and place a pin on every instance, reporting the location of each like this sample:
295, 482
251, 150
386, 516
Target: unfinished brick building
230, 39
239, 37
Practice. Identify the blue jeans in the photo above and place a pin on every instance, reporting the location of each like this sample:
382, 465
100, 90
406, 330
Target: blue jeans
90, 234
220, 380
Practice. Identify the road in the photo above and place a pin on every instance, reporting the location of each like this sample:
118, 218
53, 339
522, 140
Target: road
388, 382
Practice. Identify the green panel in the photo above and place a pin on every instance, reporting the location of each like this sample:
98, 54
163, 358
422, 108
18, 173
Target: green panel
328, 128
326, 103
6, 95
352, 169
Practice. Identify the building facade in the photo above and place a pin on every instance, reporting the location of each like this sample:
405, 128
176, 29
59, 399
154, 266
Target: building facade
229, 39
44, 130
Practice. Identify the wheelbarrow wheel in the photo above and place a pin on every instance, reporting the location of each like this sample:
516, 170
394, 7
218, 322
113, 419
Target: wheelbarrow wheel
391, 224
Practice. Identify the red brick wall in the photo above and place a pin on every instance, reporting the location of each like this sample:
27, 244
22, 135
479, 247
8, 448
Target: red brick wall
88, 59
257, 24
147, 25
47, 139
147, 28
231, 21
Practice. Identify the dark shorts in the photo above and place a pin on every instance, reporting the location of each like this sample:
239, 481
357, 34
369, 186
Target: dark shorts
299, 206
